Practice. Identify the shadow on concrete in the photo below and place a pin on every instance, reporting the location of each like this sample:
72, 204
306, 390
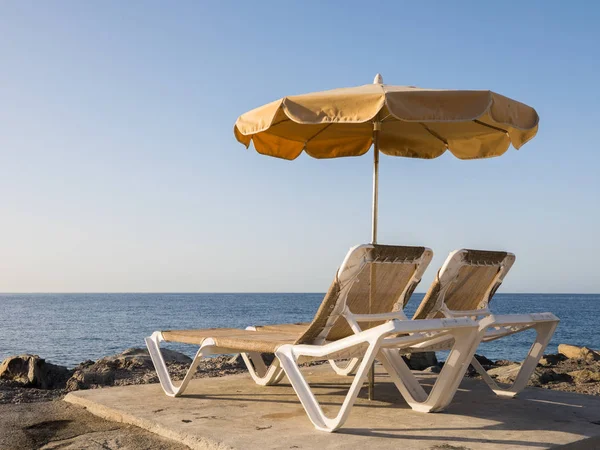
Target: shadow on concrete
533, 411
592, 443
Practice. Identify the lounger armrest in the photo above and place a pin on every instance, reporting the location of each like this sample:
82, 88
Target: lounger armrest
424, 325
467, 313
398, 315
518, 319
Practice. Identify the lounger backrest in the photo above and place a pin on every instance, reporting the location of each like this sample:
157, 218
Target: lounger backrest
373, 279
466, 282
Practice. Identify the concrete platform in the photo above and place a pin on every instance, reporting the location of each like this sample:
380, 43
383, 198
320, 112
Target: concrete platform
234, 413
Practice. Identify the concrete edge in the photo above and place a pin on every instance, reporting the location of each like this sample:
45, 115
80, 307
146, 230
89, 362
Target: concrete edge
115, 415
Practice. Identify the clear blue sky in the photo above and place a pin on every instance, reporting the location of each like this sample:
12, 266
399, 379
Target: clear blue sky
119, 170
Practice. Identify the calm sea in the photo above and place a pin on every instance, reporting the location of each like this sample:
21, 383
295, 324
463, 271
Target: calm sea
70, 328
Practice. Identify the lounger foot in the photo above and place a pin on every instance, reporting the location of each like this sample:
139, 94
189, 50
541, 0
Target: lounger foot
447, 382
421, 407
288, 356
153, 344
505, 394
260, 373
348, 369
544, 330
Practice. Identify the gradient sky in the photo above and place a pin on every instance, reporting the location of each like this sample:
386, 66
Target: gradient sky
119, 170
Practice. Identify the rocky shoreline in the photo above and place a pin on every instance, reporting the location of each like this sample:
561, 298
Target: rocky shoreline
29, 378
572, 369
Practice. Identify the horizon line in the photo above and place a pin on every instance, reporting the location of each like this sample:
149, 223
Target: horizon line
258, 292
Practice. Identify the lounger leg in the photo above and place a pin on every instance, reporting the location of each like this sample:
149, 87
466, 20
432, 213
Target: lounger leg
260, 373
349, 369
288, 355
447, 382
401, 375
544, 332
153, 344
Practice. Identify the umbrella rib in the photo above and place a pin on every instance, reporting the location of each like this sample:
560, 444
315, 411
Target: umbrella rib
479, 122
317, 133
434, 134
277, 123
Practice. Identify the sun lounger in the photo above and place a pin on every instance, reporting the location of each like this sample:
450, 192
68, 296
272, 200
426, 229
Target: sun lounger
464, 286
393, 286
372, 278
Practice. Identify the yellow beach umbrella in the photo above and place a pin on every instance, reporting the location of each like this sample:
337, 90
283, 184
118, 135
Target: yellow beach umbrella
396, 120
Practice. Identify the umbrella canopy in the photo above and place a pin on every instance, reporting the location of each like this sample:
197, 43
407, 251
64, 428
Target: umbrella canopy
414, 123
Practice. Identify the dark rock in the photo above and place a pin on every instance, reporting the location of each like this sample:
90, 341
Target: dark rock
33, 371
420, 361
552, 360
542, 376
484, 361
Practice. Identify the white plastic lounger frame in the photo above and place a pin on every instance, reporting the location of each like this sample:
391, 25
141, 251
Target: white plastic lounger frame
544, 324
378, 340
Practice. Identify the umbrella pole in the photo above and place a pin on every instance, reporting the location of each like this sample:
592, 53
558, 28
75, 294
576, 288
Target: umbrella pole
375, 181
376, 128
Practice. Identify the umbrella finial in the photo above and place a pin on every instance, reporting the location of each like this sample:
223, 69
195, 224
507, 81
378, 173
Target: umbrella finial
378, 79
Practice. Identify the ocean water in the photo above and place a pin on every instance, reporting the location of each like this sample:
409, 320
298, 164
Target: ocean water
70, 328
